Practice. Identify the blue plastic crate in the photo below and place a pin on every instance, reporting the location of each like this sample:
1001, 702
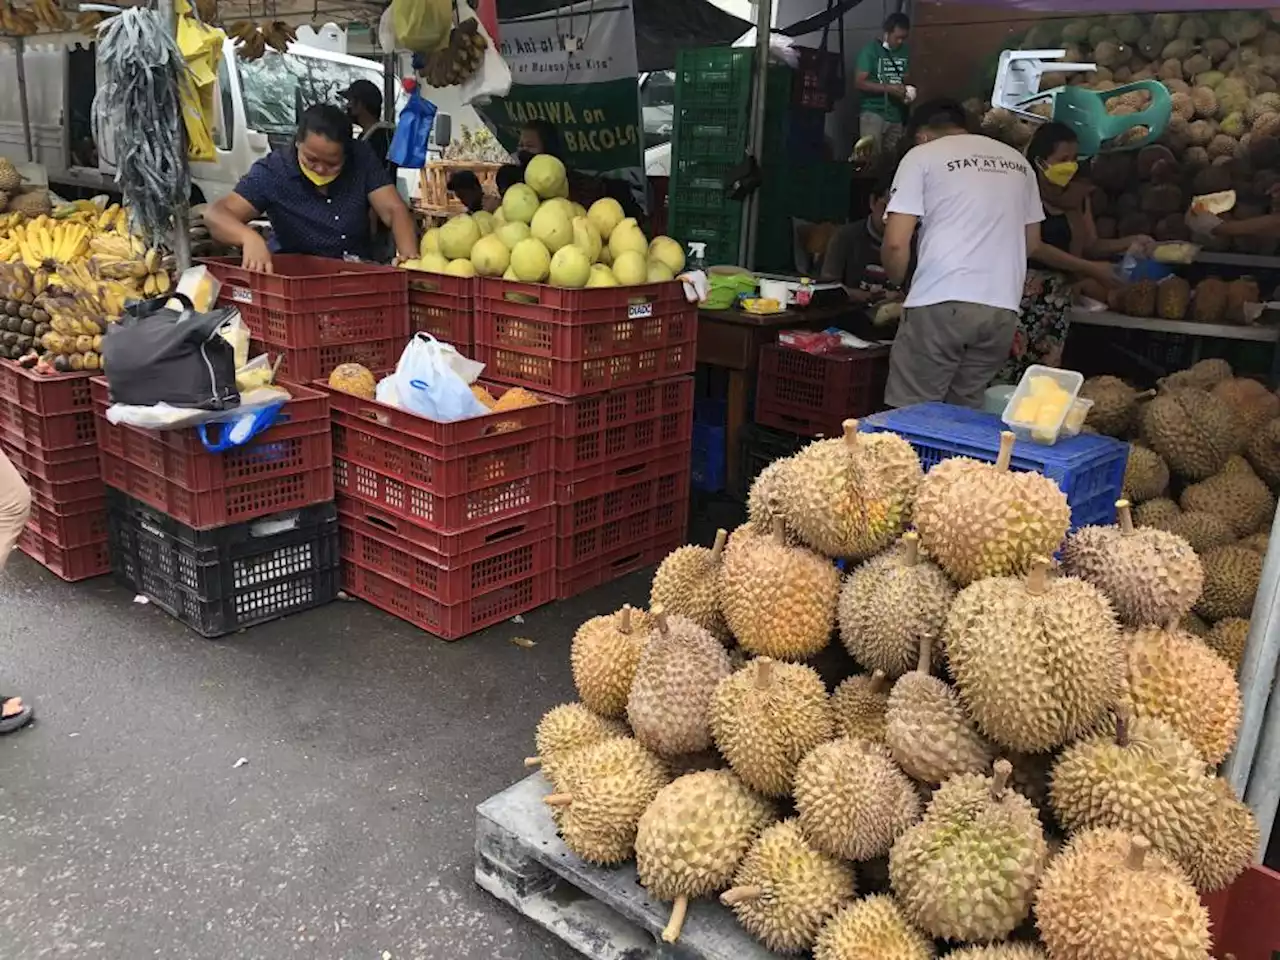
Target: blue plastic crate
707, 464
1089, 468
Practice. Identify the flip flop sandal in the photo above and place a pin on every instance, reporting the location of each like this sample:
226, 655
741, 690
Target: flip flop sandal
18, 720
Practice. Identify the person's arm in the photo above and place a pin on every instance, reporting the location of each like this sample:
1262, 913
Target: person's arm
862, 76
895, 249
1086, 243
392, 211
228, 221
1267, 225
1056, 259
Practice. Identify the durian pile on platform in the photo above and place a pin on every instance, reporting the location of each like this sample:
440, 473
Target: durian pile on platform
1023, 765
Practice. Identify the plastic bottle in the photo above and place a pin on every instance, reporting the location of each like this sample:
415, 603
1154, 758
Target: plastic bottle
697, 257
804, 293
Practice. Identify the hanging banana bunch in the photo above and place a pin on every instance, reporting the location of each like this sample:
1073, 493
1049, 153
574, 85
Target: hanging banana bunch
207, 11
458, 59
87, 22
18, 21
253, 38
50, 15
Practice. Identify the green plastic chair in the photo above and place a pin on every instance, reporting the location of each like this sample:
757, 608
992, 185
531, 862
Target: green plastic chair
1085, 112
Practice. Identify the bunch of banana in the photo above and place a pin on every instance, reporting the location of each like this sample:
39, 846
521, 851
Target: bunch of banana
50, 14
75, 340
458, 59
251, 42
87, 22
279, 35
207, 10
18, 21
113, 246
45, 242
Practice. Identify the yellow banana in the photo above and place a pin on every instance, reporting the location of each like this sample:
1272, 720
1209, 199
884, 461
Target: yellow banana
151, 260
162, 282
108, 217
138, 248
149, 286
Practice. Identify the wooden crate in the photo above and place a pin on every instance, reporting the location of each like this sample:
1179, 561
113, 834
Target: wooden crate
434, 195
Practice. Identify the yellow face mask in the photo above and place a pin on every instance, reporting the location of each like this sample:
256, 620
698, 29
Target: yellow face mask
1060, 174
320, 180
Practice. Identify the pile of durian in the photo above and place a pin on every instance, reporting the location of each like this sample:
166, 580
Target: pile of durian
1022, 767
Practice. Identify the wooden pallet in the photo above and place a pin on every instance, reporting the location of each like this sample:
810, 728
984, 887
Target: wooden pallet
601, 912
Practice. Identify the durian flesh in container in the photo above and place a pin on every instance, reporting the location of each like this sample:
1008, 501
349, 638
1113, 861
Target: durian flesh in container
1038, 409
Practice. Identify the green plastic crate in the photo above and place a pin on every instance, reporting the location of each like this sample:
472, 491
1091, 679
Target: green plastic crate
720, 230
813, 191
714, 77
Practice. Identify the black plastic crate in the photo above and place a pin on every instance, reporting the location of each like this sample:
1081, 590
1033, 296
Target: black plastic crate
759, 447
226, 579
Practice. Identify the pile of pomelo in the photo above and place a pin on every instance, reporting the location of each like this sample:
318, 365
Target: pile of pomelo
539, 236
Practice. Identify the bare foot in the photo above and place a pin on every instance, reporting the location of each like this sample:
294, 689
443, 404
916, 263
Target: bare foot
12, 707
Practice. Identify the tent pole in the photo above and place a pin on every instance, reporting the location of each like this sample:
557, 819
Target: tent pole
389, 87
20, 53
181, 215
755, 146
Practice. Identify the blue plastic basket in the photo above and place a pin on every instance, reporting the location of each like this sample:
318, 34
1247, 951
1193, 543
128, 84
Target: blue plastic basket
707, 465
1089, 468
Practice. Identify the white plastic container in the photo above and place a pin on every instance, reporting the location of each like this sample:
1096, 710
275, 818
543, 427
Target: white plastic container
1039, 430
1076, 416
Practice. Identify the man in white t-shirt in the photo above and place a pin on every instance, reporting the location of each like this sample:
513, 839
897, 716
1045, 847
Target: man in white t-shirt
977, 206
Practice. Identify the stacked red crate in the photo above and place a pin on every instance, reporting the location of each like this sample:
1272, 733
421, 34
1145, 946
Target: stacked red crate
446, 525
47, 432
617, 361
443, 306
812, 394
319, 313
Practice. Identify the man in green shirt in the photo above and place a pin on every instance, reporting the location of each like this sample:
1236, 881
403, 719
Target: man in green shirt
881, 79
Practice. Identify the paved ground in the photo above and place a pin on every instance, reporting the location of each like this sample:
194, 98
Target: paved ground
127, 831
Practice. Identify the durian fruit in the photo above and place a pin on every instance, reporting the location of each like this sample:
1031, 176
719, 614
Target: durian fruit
670, 698
978, 829
1175, 678
785, 890
765, 718
765, 498
1000, 951
1193, 625
779, 601
927, 729
1231, 576
858, 706
1202, 531
610, 786
852, 799
851, 497
1229, 844
1192, 430
1156, 513
1202, 375
604, 656
890, 603
687, 584
1115, 405
1253, 403
984, 520
1227, 638
1109, 896
693, 836
1146, 475
1038, 661
1143, 777
1258, 542
872, 929
1263, 452
1238, 497
1149, 576
566, 728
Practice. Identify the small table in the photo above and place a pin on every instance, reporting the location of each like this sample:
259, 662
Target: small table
732, 339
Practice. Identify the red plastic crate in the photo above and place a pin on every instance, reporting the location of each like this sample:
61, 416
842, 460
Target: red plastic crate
73, 465
449, 622
313, 301
68, 563
449, 580
305, 364
1244, 917
49, 431
812, 394
443, 306
75, 524
45, 394
67, 491
592, 432
624, 559
574, 342
449, 544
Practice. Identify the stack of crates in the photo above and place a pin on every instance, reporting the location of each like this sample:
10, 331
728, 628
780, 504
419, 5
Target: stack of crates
712, 114
449, 526
47, 432
616, 362
223, 541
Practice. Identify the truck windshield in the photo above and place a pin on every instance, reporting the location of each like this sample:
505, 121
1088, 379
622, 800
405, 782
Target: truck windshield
279, 87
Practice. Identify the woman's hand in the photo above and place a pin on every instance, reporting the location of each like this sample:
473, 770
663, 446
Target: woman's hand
1104, 273
1140, 245
255, 255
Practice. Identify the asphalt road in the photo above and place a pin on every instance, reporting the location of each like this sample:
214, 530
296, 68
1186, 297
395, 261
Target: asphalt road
127, 829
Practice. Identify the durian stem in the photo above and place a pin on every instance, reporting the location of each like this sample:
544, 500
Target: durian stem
1126, 517
779, 531
850, 433
764, 673
558, 799
1122, 726
1000, 778
1006, 450
722, 535
912, 541
659, 614
738, 894
624, 622
1145, 395
533, 761
925, 663
1038, 578
879, 679
1138, 847
678, 910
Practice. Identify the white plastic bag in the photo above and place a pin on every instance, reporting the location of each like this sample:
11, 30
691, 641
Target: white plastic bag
432, 380
493, 77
